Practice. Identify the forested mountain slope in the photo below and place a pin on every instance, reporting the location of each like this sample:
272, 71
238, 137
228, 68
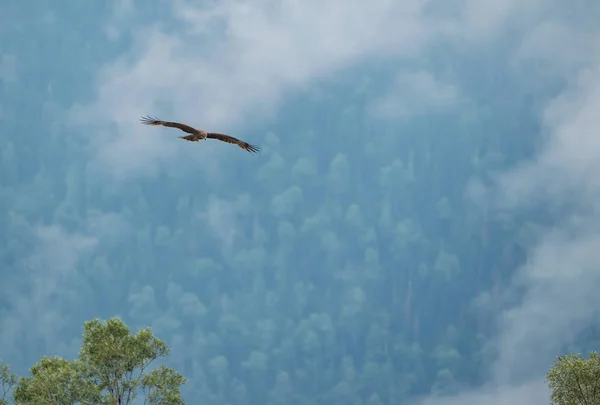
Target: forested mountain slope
355, 257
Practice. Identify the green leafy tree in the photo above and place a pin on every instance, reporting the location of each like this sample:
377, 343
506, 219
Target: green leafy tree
112, 368
575, 380
57, 381
7, 381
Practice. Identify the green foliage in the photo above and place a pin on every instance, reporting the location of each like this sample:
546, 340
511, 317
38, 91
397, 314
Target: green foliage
112, 368
7, 382
57, 381
161, 386
575, 380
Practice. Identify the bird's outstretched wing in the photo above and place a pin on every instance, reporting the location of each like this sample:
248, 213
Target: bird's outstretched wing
231, 139
155, 121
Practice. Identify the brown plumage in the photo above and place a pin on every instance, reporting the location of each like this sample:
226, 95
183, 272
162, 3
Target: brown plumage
200, 134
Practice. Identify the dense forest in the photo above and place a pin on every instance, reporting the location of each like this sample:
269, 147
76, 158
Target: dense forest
353, 261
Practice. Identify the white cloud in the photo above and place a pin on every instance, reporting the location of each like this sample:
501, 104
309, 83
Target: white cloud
416, 93
562, 274
225, 65
564, 268
230, 63
558, 48
561, 301
483, 20
220, 216
37, 294
530, 393
566, 170
122, 11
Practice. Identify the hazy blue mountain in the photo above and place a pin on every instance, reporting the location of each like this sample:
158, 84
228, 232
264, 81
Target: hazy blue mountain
420, 224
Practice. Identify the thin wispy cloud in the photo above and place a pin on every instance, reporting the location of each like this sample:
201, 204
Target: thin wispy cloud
558, 47
122, 12
227, 65
416, 93
566, 170
560, 302
39, 302
530, 393
562, 269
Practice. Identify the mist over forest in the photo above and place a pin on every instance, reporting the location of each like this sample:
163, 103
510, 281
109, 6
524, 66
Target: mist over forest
420, 226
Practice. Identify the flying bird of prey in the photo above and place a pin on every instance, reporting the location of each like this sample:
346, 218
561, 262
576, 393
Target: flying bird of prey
199, 134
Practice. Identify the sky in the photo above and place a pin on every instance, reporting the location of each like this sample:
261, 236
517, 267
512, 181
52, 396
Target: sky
228, 65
